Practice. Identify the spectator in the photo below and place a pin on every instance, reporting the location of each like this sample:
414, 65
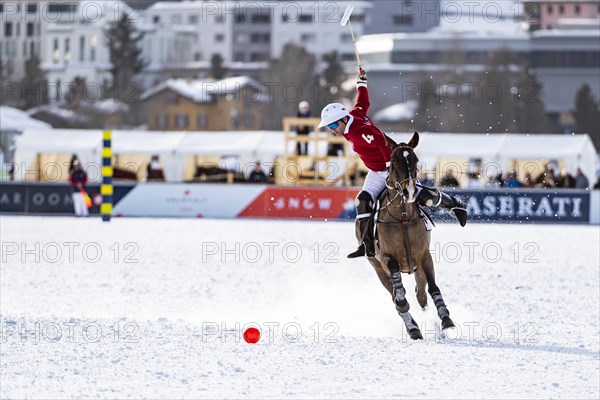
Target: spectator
71, 164
258, 175
581, 181
565, 180
511, 180
302, 130
492, 182
78, 179
449, 180
426, 179
154, 170
473, 181
528, 180
547, 179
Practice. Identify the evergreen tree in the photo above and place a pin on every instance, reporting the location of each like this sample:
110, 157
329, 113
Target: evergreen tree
75, 92
126, 58
32, 88
587, 115
217, 70
328, 84
289, 79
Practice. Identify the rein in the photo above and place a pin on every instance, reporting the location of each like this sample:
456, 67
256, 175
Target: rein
405, 219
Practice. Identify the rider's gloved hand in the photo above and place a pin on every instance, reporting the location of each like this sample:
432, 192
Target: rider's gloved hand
362, 76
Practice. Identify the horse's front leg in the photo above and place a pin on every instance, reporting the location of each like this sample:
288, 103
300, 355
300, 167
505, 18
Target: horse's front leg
399, 295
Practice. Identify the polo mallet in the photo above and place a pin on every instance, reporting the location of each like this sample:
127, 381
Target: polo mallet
346, 20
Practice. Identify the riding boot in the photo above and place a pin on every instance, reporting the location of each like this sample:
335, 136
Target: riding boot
363, 228
457, 206
432, 197
367, 247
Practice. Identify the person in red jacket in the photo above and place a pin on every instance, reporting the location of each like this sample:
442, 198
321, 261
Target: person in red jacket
78, 180
370, 145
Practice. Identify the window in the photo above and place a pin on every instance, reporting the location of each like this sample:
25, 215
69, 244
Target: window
561, 9
181, 121
219, 37
11, 49
18, 30
31, 8
162, 121
30, 29
197, 56
259, 57
8, 28
156, 19
260, 18
32, 48
193, 19
55, 51
82, 48
93, 42
175, 19
219, 19
260, 38
345, 38
24, 49
403, 19
550, 9
306, 18
239, 56
67, 50
240, 38
202, 121
60, 8
577, 9
308, 38
1, 7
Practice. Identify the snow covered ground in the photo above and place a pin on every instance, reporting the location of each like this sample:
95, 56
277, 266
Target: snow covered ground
157, 307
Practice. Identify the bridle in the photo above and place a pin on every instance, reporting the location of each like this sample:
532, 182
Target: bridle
398, 184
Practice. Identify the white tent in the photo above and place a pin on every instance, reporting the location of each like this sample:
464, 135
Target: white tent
575, 150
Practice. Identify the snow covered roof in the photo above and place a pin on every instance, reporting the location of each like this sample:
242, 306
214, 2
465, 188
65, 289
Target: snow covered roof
15, 120
204, 91
397, 112
56, 111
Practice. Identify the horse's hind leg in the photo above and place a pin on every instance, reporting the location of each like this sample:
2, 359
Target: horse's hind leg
435, 293
399, 295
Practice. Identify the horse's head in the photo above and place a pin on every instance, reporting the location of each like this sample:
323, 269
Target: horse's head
402, 175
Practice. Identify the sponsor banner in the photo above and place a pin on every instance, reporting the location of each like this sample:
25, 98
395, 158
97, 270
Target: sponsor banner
303, 203
515, 205
187, 200
43, 198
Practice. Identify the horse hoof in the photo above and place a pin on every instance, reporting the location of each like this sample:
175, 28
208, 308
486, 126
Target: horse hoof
424, 309
415, 334
447, 323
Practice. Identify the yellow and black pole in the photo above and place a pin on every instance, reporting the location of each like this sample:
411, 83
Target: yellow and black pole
106, 189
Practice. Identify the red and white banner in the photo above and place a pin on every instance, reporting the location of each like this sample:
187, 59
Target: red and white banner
231, 201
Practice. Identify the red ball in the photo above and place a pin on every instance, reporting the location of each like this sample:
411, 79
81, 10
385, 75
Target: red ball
252, 335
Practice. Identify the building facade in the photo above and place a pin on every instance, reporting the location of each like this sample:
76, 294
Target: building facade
546, 14
20, 35
194, 105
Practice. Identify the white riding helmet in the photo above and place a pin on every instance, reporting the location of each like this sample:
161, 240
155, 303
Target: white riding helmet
333, 112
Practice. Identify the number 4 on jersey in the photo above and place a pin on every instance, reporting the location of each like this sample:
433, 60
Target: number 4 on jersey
368, 138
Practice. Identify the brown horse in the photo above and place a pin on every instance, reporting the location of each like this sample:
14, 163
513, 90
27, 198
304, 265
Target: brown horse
402, 242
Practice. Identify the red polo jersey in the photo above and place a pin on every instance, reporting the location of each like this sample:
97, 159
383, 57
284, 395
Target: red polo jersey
366, 139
